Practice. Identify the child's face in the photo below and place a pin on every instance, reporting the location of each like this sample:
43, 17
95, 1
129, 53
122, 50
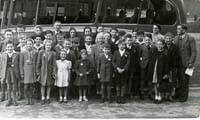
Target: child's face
87, 32
88, 40
83, 55
114, 33
122, 46
38, 40
9, 48
29, 45
72, 33
168, 39
20, 30
22, 41
106, 50
38, 31
76, 44
63, 55
60, 39
140, 37
107, 36
100, 29
8, 35
129, 41
159, 45
100, 40
147, 40
48, 46
49, 36
67, 44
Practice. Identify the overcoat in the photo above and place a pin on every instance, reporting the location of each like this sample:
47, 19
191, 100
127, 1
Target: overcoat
105, 68
83, 66
28, 62
46, 67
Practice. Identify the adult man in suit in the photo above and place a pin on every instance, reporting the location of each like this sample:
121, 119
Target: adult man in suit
146, 51
187, 50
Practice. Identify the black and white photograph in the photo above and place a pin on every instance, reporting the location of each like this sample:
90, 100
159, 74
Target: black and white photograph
99, 59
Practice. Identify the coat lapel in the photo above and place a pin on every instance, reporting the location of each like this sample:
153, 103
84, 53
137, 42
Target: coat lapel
49, 56
184, 40
14, 56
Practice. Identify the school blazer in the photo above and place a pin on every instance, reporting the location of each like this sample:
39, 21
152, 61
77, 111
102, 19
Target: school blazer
188, 51
122, 62
3, 65
105, 68
145, 55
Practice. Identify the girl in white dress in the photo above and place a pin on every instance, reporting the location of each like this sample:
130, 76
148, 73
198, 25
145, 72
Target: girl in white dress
63, 76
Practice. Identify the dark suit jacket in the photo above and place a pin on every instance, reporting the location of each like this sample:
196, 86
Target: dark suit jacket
122, 62
3, 65
134, 58
187, 51
145, 55
105, 68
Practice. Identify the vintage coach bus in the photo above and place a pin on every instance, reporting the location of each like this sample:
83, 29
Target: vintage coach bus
123, 14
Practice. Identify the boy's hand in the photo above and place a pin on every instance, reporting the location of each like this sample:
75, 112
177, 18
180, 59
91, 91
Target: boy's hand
119, 70
98, 76
165, 76
22, 77
81, 74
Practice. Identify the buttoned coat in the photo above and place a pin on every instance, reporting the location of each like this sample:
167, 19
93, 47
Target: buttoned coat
83, 66
28, 61
46, 67
105, 68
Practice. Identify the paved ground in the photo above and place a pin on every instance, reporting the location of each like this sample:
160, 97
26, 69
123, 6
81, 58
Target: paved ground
93, 109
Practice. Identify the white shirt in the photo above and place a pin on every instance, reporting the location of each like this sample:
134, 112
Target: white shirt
37, 47
122, 52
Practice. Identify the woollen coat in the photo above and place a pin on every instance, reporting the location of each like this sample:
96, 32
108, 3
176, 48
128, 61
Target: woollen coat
105, 68
46, 67
83, 66
28, 62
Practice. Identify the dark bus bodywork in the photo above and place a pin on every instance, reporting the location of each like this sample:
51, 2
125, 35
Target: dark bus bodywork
122, 14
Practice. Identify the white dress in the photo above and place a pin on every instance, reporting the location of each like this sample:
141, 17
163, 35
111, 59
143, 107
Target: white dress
63, 73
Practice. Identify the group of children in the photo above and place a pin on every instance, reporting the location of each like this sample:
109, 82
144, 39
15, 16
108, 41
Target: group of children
120, 62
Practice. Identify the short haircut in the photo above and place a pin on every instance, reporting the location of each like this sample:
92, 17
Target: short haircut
38, 36
114, 29
106, 45
83, 51
169, 34
72, 28
8, 30
48, 32
21, 26
38, 26
162, 41
120, 41
135, 30
122, 33
87, 28
9, 42
159, 27
57, 21
184, 26
140, 32
148, 35
30, 40
128, 36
